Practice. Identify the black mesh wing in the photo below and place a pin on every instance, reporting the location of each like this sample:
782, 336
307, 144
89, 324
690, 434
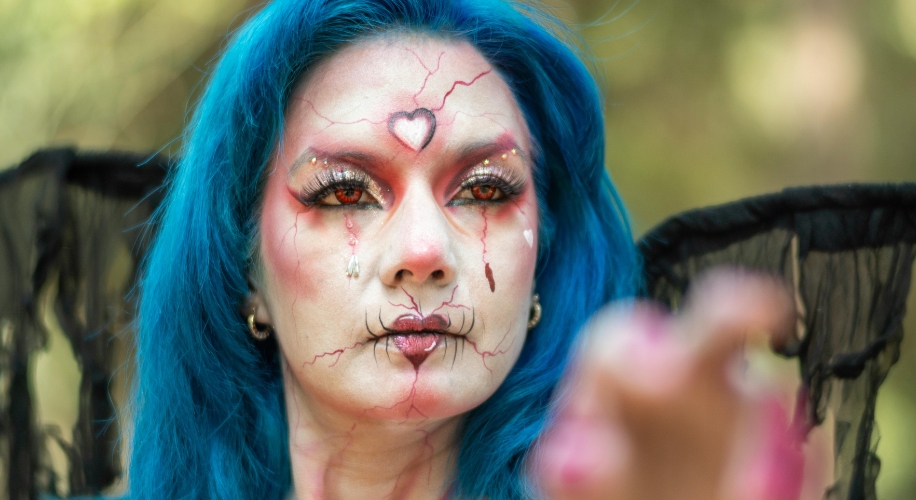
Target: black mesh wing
72, 232
848, 252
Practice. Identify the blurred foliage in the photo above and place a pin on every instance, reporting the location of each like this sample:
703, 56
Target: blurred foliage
706, 101
102, 74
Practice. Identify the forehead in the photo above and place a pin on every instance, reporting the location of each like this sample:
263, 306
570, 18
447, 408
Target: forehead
354, 93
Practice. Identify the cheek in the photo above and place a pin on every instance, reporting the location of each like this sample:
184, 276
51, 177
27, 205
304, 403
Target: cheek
509, 243
283, 239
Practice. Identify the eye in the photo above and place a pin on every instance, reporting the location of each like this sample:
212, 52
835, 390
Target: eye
344, 195
491, 184
348, 195
480, 190
338, 188
486, 192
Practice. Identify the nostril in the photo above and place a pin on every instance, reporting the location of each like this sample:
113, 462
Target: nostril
438, 274
399, 275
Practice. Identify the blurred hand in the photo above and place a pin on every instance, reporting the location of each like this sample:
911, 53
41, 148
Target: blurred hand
656, 407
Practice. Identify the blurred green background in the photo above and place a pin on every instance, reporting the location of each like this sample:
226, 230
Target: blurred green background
706, 101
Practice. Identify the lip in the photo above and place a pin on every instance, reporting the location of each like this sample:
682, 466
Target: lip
411, 323
416, 347
416, 336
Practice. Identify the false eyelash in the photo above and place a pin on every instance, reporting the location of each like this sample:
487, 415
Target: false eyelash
506, 180
329, 180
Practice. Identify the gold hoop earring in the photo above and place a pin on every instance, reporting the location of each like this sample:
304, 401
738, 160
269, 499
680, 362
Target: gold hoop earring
256, 332
534, 317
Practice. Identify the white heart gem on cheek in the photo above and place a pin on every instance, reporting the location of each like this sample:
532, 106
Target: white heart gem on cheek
415, 129
529, 237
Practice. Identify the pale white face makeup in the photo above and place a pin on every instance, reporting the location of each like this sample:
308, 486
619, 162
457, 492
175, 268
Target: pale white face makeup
398, 233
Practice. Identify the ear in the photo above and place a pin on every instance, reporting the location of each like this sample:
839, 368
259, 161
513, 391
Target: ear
255, 303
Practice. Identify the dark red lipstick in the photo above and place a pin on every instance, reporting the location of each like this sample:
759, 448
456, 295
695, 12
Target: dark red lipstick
416, 337
434, 323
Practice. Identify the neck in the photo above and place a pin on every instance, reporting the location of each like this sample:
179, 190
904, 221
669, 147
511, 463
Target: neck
335, 455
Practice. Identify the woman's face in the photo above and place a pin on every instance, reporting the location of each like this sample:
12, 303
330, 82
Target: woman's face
398, 232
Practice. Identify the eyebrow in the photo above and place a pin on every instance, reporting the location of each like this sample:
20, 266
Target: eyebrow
360, 157
468, 153
475, 151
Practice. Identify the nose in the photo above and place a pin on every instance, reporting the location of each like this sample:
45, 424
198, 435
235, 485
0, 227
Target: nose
418, 244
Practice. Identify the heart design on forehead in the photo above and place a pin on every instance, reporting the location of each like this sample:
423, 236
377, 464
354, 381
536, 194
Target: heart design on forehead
415, 129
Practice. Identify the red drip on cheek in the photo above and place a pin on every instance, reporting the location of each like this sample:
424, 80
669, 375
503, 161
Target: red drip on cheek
487, 271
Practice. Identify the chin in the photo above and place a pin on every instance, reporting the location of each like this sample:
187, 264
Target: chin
434, 390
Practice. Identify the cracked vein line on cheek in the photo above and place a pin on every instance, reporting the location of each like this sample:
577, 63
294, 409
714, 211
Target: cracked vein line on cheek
487, 271
296, 332
495, 352
338, 352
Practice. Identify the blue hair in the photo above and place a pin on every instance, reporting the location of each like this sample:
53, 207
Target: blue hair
210, 417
